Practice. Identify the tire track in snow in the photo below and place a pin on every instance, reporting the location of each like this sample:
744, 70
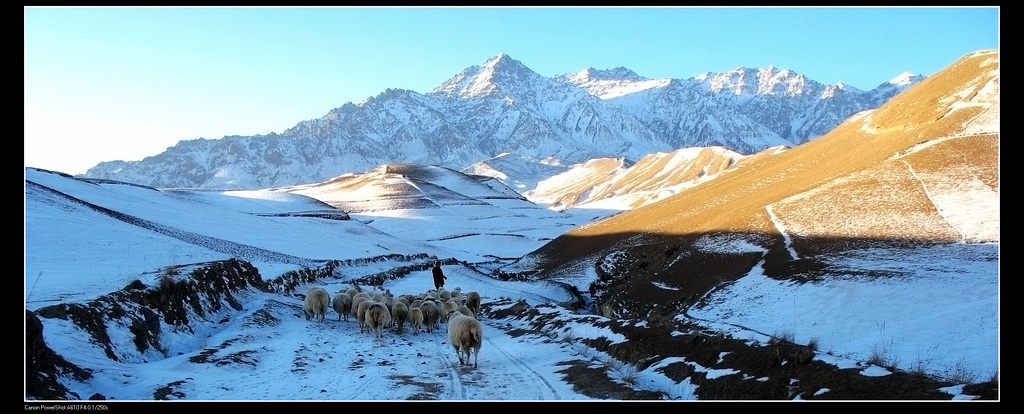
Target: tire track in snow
455, 385
526, 368
314, 345
367, 377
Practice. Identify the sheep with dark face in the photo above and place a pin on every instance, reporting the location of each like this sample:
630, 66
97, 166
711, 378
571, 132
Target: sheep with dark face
473, 303
342, 304
314, 306
466, 336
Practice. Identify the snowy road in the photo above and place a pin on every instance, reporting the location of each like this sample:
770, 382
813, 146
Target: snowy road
332, 360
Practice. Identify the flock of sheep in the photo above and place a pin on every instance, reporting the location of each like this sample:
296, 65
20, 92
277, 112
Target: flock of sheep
375, 312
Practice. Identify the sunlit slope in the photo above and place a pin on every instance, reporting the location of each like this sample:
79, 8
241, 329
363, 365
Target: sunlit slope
456, 212
609, 183
880, 174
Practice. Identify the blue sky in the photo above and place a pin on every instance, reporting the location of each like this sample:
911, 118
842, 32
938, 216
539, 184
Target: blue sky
106, 83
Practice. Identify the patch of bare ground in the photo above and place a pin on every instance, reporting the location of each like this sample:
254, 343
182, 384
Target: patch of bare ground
168, 391
427, 390
593, 381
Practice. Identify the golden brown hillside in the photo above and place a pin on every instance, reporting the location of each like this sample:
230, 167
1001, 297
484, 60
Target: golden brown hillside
882, 176
869, 144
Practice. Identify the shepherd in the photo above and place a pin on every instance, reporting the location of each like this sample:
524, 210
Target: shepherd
439, 276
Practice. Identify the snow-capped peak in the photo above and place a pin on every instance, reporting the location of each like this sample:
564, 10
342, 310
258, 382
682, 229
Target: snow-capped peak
760, 81
904, 79
611, 83
481, 80
591, 75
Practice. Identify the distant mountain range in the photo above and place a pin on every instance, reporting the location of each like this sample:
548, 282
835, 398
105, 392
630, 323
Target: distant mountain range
504, 120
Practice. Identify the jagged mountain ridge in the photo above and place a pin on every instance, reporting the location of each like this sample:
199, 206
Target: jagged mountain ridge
503, 107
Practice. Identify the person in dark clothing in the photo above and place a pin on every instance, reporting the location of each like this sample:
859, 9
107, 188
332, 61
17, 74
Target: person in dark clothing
439, 276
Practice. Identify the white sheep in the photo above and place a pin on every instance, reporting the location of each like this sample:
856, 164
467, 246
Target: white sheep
342, 304
466, 336
431, 315
356, 300
377, 317
448, 307
407, 298
399, 314
473, 303
361, 314
415, 319
389, 302
314, 306
465, 311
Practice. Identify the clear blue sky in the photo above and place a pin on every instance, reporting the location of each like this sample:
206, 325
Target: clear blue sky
108, 83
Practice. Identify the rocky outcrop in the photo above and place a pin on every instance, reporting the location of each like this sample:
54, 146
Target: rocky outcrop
182, 299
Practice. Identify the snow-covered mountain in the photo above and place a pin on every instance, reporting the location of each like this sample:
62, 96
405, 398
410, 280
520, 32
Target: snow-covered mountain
503, 107
843, 268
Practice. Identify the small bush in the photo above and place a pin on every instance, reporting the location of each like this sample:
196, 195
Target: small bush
813, 344
880, 356
962, 373
167, 278
877, 357
629, 374
613, 364
919, 367
782, 337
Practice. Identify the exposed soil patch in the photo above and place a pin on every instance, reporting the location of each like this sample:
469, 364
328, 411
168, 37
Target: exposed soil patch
167, 391
428, 390
593, 381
